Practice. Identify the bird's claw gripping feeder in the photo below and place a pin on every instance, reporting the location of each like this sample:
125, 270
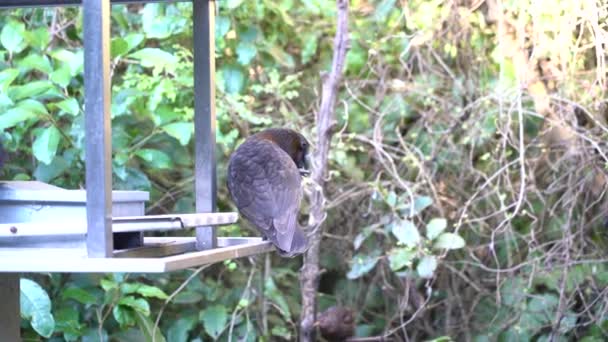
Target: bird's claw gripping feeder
48, 229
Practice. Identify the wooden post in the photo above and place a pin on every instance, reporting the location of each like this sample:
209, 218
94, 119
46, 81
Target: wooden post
10, 313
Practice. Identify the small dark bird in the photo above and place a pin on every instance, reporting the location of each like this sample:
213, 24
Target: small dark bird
264, 180
336, 323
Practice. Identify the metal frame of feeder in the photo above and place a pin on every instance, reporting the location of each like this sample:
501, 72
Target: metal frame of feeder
100, 255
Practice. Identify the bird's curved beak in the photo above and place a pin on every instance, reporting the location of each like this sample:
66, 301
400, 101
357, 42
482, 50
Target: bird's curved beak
304, 168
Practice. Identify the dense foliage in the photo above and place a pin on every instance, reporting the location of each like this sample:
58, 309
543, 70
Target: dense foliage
469, 127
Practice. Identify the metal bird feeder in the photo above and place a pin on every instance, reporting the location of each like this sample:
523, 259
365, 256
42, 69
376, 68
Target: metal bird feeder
44, 228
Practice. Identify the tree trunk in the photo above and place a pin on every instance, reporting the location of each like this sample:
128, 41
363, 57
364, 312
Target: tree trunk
325, 120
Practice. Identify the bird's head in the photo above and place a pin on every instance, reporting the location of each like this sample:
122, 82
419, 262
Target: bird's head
293, 143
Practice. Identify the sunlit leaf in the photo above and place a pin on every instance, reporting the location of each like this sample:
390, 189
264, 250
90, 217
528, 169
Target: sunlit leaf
426, 266
11, 36
36, 307
435, 227
234, 79
118, 47
78, 294
38, 62
449, 241
45, 145
156, 58
400, 257
406, 232
156, 158
245, 52
361, 265
182, 131
137, 304
69, 106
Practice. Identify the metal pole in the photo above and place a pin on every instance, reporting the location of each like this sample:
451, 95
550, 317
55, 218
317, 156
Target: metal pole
204, 116
10, 312
96, 22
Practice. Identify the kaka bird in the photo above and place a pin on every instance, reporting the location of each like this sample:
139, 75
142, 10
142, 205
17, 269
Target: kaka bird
264, 181
336, 323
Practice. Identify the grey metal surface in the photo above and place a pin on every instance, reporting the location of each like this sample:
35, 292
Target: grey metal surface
10, 318
70, 224
163, 246
204, 116
35, 191
75, 261
48, 3
96, 29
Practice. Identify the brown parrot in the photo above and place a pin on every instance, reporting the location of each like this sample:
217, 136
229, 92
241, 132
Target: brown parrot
336, 323
264, 181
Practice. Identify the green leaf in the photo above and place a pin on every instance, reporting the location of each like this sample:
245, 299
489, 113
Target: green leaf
362, 264
435, 227
157, 159
67, 321
426, 266
118, 47
156, 58
11, 36
400, 257
282, 332
38, 38
123, 315
46, 173
222, 26
214, 320
232, 4
309, 47
187, 297
79, 295
143, 289
36, 307
69, 106
45, 145
182, 131
73, 60
133, 40
30, 90
449, 241
421, 203
146, 326
7, 76
137, 304
234, 79
155, 23
383, 9
362, 236
245, 52
178, 331
406, 232
33, 106
272, 292
13, 117
61, 76
38, 62
108, 284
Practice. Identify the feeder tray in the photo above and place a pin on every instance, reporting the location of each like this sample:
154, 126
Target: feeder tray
43, 229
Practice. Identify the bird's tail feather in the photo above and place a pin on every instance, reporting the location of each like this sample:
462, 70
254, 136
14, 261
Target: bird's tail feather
299, 245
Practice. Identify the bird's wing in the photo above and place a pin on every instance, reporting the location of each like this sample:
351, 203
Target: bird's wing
265, 185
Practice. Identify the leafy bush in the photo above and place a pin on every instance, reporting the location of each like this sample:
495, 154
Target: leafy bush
467, 176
